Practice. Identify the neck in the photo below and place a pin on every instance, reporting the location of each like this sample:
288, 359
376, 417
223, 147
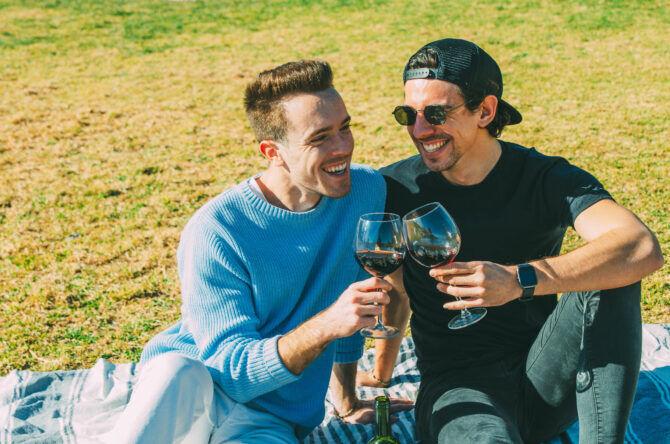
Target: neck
475, 163
281, 192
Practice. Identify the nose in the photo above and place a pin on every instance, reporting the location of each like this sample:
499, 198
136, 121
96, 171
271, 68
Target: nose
421, 128
344, 144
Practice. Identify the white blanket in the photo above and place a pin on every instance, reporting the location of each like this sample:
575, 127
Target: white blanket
77, 406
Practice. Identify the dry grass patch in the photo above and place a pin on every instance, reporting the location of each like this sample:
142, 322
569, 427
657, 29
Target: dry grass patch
118, 121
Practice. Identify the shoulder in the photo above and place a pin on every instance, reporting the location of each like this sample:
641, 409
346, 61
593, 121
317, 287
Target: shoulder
529, 155
219, 212
554, 171
406, 168
367, 185
534, 161
405, 174
360, 172
365, 177
215, 231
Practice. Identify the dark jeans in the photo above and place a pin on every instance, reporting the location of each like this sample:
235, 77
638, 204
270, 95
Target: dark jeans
584, 363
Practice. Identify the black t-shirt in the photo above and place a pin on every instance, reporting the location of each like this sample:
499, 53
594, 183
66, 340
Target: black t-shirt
518, 213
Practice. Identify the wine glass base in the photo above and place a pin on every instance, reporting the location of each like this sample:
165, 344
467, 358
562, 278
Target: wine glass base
380, 332
472, 316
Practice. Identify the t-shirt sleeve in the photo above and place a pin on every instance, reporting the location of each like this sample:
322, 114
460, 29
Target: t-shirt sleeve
569, 190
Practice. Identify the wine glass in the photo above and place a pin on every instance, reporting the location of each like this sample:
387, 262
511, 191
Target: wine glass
433, 239
380, 250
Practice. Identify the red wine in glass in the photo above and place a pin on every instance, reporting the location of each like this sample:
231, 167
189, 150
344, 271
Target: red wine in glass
379, 263
433, 239
380, 250
434, 257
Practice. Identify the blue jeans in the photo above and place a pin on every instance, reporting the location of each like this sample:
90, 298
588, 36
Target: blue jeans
583, 364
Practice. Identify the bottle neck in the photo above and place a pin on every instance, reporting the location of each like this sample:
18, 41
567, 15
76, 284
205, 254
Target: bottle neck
382, 419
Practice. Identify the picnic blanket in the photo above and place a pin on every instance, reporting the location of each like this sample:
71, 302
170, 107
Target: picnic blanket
76, 406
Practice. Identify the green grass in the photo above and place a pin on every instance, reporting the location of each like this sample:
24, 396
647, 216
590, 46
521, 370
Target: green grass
119, 119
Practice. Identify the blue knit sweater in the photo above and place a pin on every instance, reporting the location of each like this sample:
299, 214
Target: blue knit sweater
251, 272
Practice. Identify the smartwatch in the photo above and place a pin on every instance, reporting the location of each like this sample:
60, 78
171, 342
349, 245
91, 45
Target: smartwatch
527, 278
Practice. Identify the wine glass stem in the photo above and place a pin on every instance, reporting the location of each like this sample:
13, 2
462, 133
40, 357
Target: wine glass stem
464, 311
380, 323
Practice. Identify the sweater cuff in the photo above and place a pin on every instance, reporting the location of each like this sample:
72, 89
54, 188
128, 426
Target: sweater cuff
349, 349
273, 363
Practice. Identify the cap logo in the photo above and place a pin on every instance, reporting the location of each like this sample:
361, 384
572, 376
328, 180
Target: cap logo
420, 73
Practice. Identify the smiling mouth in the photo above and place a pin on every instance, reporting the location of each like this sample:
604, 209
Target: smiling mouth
431, 147
336, 170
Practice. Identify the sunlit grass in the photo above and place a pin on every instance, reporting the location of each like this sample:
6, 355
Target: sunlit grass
118, 120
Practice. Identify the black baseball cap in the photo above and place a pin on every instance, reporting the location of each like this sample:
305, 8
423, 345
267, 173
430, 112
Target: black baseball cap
465, 64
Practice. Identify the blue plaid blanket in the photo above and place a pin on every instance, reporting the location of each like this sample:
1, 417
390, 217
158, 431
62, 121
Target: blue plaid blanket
77, 406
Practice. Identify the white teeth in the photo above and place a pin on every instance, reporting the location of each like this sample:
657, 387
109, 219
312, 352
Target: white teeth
336, 168
432, 147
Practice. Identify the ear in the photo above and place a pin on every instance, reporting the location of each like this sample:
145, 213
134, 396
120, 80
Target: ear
487, 110
270, 150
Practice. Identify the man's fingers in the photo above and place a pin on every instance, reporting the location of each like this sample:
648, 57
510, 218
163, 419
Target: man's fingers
465, 303
369, 310
372, 297
363, 403
374, 283
401, 405
368, 321
378, 297
461, 292
401, 401
452, 269
463, 280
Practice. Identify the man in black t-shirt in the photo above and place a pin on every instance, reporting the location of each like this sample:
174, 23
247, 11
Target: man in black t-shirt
533, 364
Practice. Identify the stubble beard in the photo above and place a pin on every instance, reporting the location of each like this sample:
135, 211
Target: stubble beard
445, 164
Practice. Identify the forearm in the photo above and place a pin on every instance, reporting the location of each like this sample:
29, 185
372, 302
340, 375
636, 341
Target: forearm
343, 386
305, 343
396, 314
353, 310
617, 258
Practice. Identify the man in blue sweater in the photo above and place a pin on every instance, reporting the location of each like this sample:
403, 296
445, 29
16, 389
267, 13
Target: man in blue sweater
271, 294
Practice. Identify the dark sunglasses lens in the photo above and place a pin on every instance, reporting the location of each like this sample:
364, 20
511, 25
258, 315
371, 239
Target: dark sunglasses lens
435, 114
404, 115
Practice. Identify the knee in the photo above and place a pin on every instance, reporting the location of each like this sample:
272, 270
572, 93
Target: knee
621, 304
605, 303
478, 430
470, 416
175, 367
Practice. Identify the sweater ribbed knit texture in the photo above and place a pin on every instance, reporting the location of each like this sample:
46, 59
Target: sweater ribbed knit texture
251, 272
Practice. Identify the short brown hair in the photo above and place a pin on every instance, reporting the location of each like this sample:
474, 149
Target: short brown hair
264, 95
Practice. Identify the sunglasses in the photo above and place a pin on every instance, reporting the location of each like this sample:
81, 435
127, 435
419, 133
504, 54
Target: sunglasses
434, 114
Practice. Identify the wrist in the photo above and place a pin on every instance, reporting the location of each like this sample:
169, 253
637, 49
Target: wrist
344, 414
381, 382
527, 280
516, 291
324, 326
346, 408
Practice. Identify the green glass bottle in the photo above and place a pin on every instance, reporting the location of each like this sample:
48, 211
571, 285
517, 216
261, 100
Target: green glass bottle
383, 420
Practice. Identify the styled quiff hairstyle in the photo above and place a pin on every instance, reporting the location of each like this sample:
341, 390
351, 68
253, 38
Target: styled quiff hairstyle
263, 97
427, 58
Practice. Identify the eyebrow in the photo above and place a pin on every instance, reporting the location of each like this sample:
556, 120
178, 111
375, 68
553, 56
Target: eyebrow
327, 128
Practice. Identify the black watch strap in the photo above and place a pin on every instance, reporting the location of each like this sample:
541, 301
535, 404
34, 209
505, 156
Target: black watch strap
527, 278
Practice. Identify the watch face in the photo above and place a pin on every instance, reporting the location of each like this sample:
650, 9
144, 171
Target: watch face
527, 276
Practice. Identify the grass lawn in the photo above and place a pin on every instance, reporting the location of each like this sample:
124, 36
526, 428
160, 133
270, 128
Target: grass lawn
119, 119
